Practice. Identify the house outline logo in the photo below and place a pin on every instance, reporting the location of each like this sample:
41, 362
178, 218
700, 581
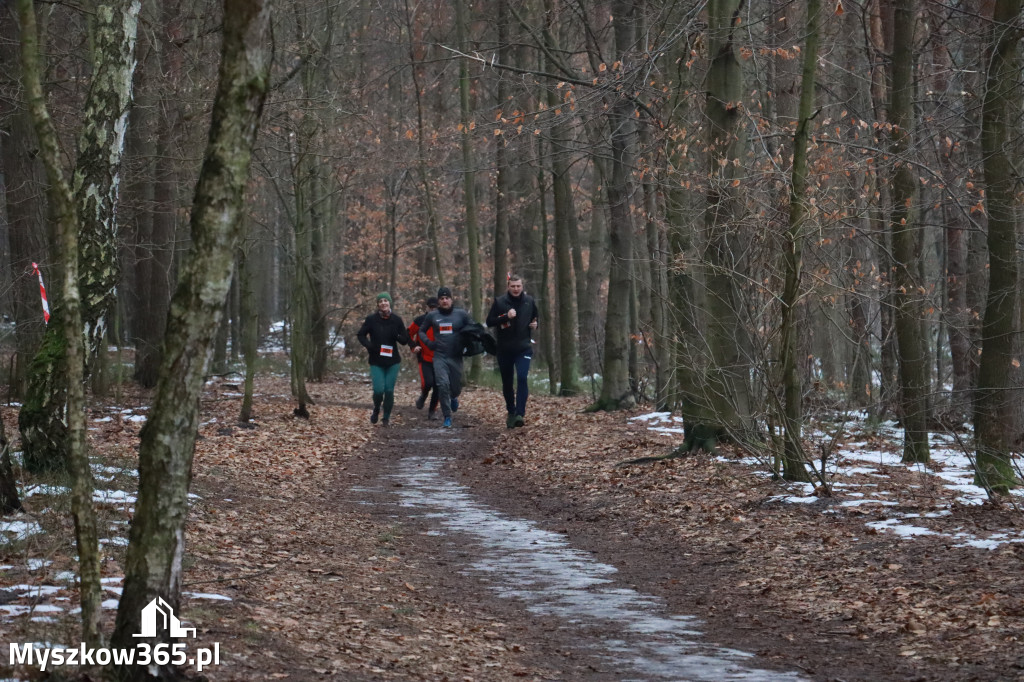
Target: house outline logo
158, 614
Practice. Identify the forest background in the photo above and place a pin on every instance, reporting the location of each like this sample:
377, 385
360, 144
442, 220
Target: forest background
739, 211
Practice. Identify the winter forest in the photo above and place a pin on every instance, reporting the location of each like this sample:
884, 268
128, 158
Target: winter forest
742, 212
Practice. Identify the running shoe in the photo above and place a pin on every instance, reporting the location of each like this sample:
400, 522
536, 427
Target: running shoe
447, 422
518, 421
455, 404
419, 401
375, 415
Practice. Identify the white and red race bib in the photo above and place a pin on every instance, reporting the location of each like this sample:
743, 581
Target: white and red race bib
387, 351
446, 327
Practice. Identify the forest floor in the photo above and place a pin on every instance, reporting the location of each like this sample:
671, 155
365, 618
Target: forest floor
302, 566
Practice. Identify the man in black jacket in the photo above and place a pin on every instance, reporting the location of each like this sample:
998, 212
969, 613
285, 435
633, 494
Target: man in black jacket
441, 332
515, 317
380, 334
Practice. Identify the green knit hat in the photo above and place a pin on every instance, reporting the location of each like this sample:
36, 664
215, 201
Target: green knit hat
383, 294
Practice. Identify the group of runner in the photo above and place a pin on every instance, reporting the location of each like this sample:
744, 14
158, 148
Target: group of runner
437, 339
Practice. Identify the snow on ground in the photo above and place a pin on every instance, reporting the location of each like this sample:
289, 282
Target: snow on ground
863, 457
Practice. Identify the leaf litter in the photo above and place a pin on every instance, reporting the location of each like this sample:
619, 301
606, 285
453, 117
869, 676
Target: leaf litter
295, 582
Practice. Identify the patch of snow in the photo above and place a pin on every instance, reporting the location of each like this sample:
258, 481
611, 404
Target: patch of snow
53, 490
901, 529
206, 595
34, 590
111, 497
116, 542
20, 529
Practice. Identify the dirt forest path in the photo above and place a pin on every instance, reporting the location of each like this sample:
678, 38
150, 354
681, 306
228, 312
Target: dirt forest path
301, 523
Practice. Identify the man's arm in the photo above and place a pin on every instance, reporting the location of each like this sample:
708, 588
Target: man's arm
495, 317
428, 323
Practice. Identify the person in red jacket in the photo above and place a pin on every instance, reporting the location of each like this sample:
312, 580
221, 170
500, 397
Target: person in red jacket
426, 360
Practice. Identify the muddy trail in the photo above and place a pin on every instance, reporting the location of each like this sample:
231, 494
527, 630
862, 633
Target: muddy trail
581, 617
355, 552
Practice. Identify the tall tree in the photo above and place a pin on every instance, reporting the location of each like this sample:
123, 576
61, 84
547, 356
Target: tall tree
95, 186
565, 222
69, 349
994, 399
153, 565
615, 388
503, 182
472, 227
793, 468
27, 219
726, 388
907, 240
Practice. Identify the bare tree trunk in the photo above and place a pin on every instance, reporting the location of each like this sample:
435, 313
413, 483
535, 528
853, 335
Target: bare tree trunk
154, 264
994, 416
69, 324
591, 320
793, 457
247, 270
565, 225
153, 566
726, 390
95, 187
27, 219
541, 261
615, 388
421, 152
10, 502
503, 181
469, 185
907, 243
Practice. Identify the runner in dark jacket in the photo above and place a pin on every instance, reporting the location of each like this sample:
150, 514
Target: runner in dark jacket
380, 334
426, 363
514, 315
447, 323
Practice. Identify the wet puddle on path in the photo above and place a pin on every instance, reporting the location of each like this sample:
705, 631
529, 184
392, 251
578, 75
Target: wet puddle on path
520, 561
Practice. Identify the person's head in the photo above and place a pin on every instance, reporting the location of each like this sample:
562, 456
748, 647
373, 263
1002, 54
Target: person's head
515, 285
444, 298
384, 303
431, 303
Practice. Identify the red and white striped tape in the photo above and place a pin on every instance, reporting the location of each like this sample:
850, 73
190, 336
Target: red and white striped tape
42, 293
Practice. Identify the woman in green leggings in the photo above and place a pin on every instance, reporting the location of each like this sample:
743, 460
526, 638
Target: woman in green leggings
381, 334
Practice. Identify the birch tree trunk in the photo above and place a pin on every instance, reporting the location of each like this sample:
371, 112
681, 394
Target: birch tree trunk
153, 566
69, 326
95, 186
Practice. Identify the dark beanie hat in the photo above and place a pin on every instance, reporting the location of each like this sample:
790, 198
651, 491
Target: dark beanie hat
444, 291
431, 302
